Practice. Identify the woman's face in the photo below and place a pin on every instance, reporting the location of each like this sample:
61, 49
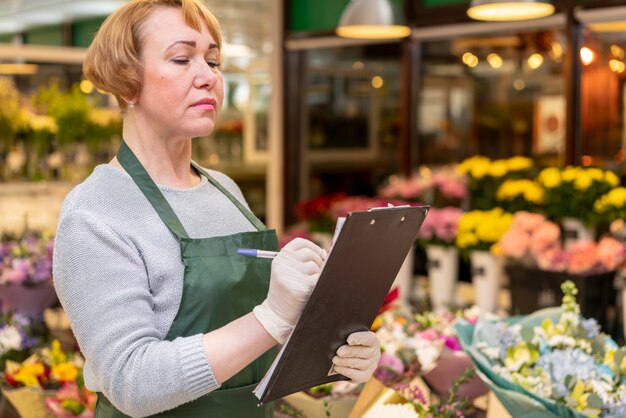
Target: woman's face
183, 87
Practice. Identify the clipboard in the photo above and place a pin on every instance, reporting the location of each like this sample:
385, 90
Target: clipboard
356, 278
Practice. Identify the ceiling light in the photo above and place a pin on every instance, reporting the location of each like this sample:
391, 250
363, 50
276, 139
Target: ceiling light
377, 82
519, 84
507, 10
617, 66
616, 26
617, 51
370, 19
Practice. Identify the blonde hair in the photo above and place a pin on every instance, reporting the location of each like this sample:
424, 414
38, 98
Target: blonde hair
113, 61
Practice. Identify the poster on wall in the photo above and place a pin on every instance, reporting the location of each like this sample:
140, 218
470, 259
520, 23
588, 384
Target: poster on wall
549, 137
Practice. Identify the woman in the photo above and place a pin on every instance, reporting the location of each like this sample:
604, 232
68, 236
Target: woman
170, 319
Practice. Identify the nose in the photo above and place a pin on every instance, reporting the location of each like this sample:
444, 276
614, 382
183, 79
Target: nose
207, 77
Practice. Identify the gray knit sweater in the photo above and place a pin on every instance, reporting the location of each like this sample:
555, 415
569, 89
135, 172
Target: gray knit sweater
119, 276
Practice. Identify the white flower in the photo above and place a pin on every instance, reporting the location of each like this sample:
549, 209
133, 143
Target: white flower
10, 339
561, 341
391, 411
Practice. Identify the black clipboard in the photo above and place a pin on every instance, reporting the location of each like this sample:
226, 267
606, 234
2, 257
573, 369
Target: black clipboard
356, 278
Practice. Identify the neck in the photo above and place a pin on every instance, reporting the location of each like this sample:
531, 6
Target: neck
166, 159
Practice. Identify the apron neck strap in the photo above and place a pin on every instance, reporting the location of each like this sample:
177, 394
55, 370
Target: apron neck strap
245, 211
133, 166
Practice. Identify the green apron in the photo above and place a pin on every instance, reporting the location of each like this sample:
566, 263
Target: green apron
219, 286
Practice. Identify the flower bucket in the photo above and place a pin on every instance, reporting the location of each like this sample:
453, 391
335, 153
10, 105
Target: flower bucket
487, 273
404, 278
443, 271
575, 230
27, 300
311, 407
29, 402
450, 366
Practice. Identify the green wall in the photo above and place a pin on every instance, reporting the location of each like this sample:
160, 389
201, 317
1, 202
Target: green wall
46, 35
84, 31
319, 15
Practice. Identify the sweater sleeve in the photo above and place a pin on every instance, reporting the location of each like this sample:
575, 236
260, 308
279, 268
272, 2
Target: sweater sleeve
103, 285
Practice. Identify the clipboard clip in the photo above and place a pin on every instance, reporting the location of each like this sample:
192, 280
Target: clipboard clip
389, 205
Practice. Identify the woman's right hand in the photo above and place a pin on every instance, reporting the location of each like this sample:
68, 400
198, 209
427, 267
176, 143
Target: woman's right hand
295, 271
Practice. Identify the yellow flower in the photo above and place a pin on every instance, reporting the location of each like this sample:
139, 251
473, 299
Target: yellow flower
550, 177
534, 193
578, 401
466, 165
595, 173
479, 170
583, 181
611, 178
28, 374
570, 173
65, 372
466, 240
519, 163
498, 168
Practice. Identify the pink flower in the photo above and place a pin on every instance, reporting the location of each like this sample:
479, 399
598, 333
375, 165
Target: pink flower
441, 225
451, 186
388, 367
527, 221
611, 253
583, 257
452, 343
515, 243
553, 259
430, 334
545, 236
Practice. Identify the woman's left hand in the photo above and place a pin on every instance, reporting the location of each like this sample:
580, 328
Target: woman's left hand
358, 359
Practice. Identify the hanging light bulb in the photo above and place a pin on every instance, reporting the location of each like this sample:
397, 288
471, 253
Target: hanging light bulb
507, 10
370, 19
535, 61
495, 60
586, 55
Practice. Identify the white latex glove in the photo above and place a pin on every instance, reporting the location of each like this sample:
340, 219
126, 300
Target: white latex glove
358, 359
295, 271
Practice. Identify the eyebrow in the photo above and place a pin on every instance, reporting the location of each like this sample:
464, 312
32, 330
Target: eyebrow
191, 44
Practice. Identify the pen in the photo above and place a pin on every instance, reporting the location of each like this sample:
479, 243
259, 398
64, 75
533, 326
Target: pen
249, 252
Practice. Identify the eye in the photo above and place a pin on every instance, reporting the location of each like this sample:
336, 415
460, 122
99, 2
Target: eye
214, 64
181, 61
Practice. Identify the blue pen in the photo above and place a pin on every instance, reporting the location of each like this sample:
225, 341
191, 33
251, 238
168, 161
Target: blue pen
249, 252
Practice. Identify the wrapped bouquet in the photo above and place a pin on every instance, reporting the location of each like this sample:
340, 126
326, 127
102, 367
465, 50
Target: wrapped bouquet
553, 363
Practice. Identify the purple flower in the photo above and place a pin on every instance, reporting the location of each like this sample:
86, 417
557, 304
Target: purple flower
591, 327
389, 366
569, 362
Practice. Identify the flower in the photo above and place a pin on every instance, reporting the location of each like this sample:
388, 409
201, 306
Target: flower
440, 226
480, 230
612, 205
520, 195
26, 261
485, 177
392, 410
316, 212
410, 189
572, 191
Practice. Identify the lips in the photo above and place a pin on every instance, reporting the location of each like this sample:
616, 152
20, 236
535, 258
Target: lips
205, 104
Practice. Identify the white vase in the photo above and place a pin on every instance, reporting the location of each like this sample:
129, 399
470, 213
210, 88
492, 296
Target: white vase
404, 278
443, 271
575, 230
487, 273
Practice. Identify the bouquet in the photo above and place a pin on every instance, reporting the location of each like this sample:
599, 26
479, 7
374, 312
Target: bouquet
520, 195
449, 187
440, 227
480, 230
485, 177
49, 372
550, 363
573, 191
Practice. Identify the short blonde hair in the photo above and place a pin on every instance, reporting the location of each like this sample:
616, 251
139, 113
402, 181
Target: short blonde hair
113, 61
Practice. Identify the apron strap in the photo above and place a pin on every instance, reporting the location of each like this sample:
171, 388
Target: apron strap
245, 211
133, 166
